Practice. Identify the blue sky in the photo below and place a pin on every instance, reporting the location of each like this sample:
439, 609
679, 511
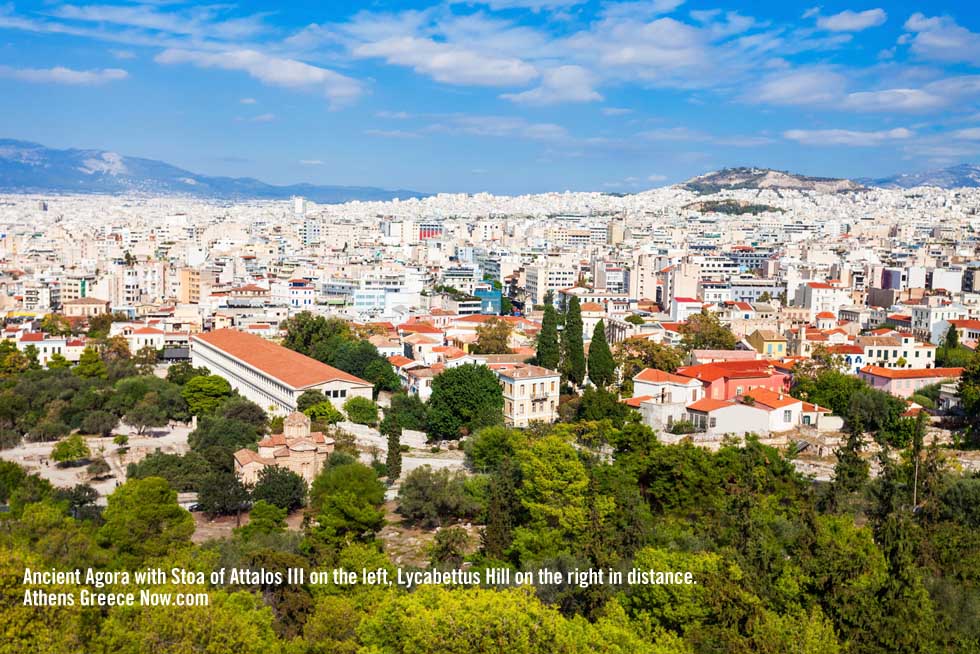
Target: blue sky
507, 96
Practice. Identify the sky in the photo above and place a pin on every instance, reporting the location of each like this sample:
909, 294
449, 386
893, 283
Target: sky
504, 96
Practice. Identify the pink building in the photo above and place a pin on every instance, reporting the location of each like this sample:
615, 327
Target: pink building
727, 380
903, 382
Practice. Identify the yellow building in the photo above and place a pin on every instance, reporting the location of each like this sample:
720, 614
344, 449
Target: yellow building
768, 343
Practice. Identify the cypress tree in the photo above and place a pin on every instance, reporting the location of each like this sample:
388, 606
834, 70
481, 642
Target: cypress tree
573, 350
499, 533
393, 459
548, 354
602, 368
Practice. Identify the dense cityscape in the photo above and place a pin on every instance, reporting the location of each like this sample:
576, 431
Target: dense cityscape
437, 384
489, 326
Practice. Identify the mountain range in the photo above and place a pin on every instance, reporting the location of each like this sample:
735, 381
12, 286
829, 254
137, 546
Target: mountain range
27, 167
33, 168
963, 175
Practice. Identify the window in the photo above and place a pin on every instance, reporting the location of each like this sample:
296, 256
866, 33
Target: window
712, 421
787, 415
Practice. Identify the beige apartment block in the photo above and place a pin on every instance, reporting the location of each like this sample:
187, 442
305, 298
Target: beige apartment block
530, 393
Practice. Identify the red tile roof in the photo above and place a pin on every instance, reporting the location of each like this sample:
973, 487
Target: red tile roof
919, 373
398, 360
707, 405
291, 368
654, 376
727, 369
419, 328
771, 399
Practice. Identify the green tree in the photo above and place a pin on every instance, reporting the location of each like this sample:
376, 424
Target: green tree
308, 399
907, 622
502, 511
409, 411
464, 399
145, 360
100, 423
90, 364
147, 414
280, 487
222, 493
55, 325
548, 353
324, 413
704, 331
238, 408
71, 450
969, 390
144, 521
433, 498
487, 448
57, 361
634, 319
554, 492
851, 471
572, 346
204, 394
392, 431
449, 547
602, 368
362, 411
182, 372
263, 519
346, 501
492, 337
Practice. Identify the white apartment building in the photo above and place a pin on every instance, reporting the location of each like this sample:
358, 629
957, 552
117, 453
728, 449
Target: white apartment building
542, 278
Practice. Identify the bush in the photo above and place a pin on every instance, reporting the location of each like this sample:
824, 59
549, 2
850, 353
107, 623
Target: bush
432, 498
71, 450
324, 413
682, 427
99, 423
362, 411
98, 468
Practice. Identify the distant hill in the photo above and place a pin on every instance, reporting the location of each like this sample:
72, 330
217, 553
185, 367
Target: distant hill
766, 178
32, 168
963, 175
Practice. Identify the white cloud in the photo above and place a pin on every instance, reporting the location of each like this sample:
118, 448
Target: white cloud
196, 21
968, 134
263, 118
894, 100
500, 127
122, 54
942, 39
248, 101
533, 5
562, 84
847, 137
289, 73
616, 111
799, 87
393, 115
449, 63
656, 179
62, 75
311, 162
852, 21
392, 133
